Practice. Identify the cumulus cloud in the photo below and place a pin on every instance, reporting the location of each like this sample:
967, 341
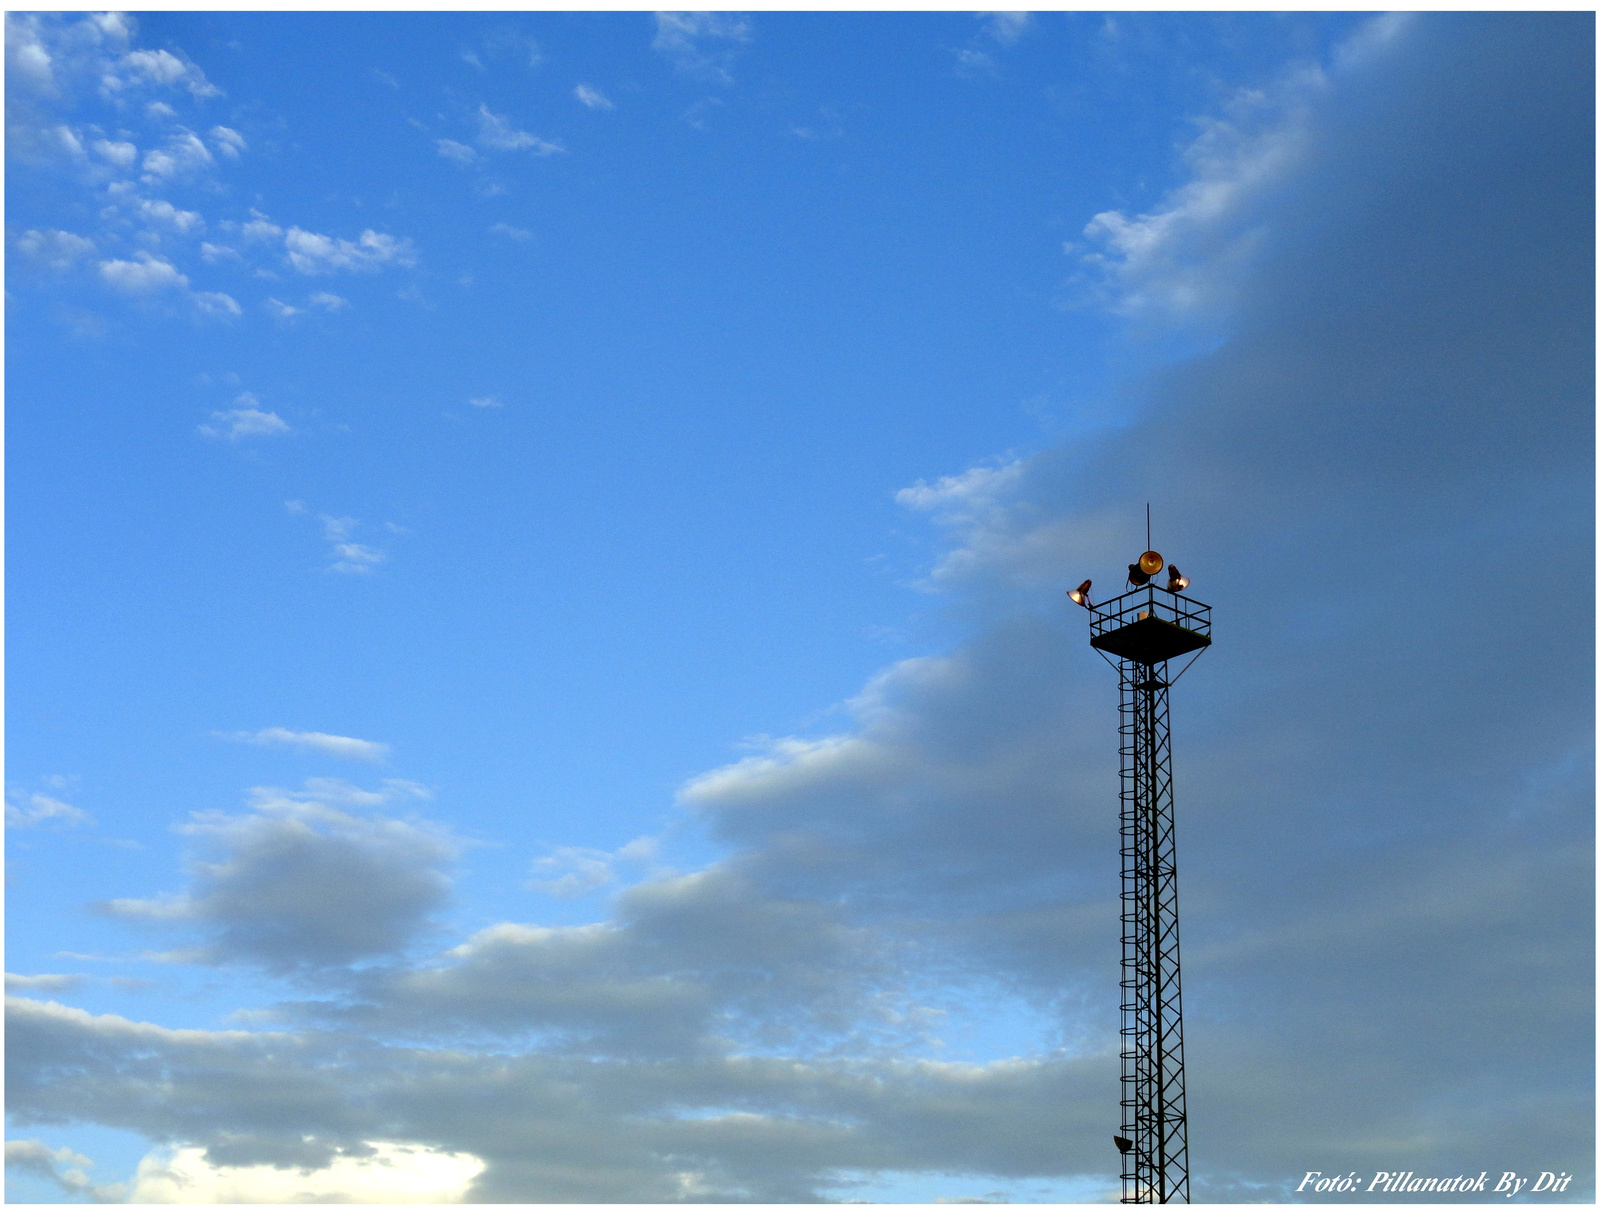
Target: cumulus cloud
159, 211
119, 152
144, 275
157, 68
313, 253
54, 248
329, 744
183, 155
702, 45
593, 97
259, 227
381, 1173
496, 133
304, 881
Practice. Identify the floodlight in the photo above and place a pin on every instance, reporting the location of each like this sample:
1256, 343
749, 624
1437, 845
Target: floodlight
1175, 581
1123, 1145
1137, 576
1081, 595
1150, 562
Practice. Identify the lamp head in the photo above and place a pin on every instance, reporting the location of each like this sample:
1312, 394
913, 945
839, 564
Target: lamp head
1136, 575
1150, 562
1175, 581
1081, 595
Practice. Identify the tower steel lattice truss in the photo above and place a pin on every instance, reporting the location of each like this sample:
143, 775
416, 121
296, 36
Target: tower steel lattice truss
1144, 630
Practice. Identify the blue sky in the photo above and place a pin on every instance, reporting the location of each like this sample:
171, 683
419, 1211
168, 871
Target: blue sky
537, 659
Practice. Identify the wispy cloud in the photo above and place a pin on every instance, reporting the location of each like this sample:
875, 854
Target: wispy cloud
348, 556
329, 744
244, 421
38, 809
51, 983
486, 402
510, 232
702, 45
61, 1165
593, 97
496, 133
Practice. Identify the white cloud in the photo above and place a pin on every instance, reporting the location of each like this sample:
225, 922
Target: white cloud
312, 253
216, 303
118, 152
259, 227
571, 871
247, 423
593, 97
54, 248
328, 301
702, 45
349, 557
31, 810
975, 61
382, 1173
451, 150
496, 133
217, 253
42, 982
356, 558
143, 275
1007, 28
157, 68
27, 60
510, 232
329, 744
1183, 259
280, 310
228, 141
162, 212
486, 402
183, 155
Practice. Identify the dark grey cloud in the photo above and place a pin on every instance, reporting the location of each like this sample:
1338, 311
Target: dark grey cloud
1383, 479
305, 881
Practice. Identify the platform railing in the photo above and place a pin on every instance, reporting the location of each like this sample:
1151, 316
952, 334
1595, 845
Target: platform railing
1168, 605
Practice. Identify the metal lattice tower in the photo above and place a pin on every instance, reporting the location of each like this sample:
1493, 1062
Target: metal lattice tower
1144, 629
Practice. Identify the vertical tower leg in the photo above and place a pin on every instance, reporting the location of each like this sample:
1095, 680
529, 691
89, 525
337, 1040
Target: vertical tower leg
1156, 1169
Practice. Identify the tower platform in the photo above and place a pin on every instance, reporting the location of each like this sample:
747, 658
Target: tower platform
1150, 625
